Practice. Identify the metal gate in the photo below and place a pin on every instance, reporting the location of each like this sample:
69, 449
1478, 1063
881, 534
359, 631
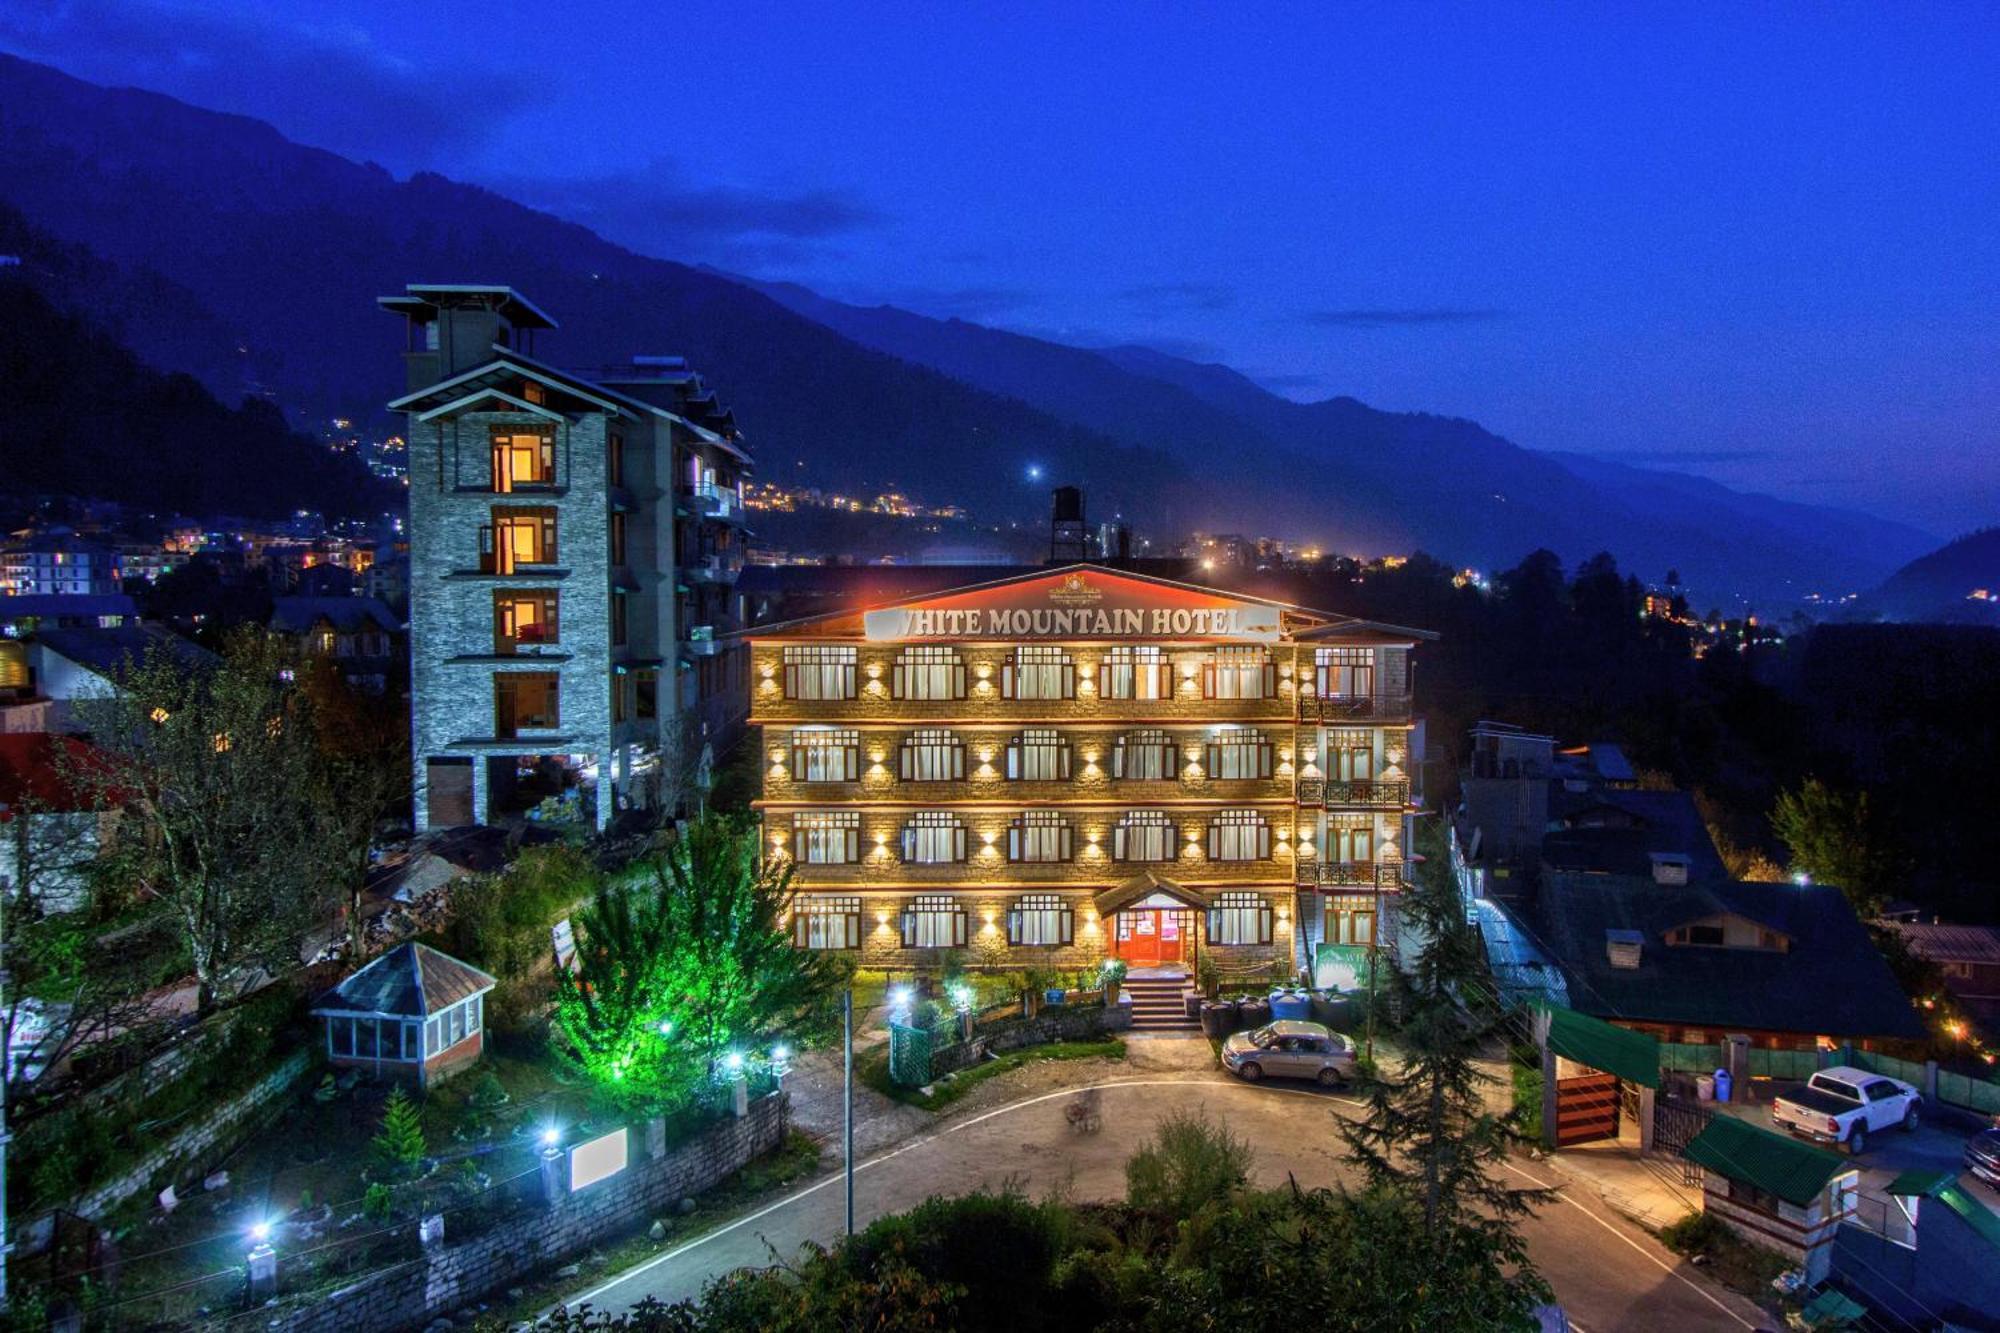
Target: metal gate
1675, 1123
1586, 1108
909, 1055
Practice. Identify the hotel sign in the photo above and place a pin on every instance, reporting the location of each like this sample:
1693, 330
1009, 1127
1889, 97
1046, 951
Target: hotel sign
1077, 606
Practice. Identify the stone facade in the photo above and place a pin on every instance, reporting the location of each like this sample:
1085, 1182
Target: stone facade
444, 1278
1312, 834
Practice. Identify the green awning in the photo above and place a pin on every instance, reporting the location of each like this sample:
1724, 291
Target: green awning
1976, 1214
1923, 1183
1776, 1163
1633, 1056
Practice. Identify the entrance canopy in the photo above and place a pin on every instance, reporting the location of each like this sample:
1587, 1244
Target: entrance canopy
1147, 885
1633, 1056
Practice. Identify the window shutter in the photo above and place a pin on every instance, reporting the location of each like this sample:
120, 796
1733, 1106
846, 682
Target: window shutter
1013, 767
1007, 679
958, 927
1264, 922
1270, 680
1215, 925
1118, 758
1066, 920
1263, 842
958, 854
853, 841
906, 762
1063, 845
909, 921
851, 762
799, 924
1208, 680
1063, 752
1214, 841
1069, 680
1013, 925
958, 760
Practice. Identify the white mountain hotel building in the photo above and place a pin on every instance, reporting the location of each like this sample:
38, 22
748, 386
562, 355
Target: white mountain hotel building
1081, 762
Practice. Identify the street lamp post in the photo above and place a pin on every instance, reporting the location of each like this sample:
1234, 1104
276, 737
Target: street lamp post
847, 1097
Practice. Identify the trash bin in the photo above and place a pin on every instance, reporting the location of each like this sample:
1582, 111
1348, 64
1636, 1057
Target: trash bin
1193, 1002
1722, 1085
1704, 1087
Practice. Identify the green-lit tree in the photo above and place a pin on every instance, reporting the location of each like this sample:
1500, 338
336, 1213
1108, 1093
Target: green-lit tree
1834, 837
687, 959
400, 1147
1429, 1136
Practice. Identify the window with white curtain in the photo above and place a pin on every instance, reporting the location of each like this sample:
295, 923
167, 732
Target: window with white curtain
1148, 754
820, 671
1239, 918
933, 754
1350, 839
1345, 673
826, 754
826, 837
933, 921
929, 671
1039, 671
1238, 671
1239, 752
1239, 835
1140, 671
1041, 918
1038, 754
1145, 835
825, 921
933, 837
1039, 835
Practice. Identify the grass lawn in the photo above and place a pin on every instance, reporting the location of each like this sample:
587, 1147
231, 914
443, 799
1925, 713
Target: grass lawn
873, 1067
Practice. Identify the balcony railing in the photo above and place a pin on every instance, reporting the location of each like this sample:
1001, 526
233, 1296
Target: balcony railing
1349, 874
713, 569
1322, 793
1354, 708
701, 641
715, 502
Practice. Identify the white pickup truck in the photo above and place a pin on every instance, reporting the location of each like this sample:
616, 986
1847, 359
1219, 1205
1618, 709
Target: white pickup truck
1845, 1104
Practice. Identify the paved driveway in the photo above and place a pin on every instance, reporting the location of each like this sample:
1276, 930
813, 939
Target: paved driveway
1608, 1273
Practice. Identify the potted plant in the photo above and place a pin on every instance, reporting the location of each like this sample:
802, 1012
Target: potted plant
1112, 970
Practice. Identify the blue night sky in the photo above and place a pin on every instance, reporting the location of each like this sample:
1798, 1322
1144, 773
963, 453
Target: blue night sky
1763, 246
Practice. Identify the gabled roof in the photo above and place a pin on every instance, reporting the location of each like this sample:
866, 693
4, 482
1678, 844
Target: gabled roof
410, 981
1777, 1163
1144, 885
517, 309
470, 385
1088, 582
109, 651
1942, 943
1830, 981
298, 615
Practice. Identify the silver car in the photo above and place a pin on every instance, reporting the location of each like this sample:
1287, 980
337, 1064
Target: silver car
1290, 1048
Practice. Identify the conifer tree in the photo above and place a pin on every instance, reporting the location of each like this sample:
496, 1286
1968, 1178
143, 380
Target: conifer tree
400, 1146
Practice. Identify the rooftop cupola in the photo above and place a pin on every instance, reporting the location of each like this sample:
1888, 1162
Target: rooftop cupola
455, 327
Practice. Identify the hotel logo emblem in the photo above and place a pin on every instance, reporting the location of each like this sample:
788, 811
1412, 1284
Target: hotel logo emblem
1075, 590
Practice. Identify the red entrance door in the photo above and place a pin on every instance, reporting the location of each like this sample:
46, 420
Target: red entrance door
1150, 937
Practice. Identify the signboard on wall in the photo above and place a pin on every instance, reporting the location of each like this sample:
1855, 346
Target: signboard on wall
596, 1159
1078, 605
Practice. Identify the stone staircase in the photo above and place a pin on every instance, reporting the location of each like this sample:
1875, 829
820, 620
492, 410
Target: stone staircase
1158, 1004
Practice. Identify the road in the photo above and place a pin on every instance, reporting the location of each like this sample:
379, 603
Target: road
1608, 1273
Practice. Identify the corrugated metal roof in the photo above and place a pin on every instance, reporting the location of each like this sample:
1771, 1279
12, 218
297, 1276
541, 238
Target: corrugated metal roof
1796, 1172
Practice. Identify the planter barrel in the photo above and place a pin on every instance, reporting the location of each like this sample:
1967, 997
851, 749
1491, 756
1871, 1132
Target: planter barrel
1254, 1013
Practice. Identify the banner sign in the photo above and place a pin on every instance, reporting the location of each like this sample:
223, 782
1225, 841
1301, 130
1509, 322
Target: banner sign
1078, 606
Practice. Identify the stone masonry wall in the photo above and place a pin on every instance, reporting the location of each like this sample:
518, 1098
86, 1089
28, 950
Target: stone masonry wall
450, 1276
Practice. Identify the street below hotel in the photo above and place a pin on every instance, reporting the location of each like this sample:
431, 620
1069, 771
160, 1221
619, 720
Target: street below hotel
1607, 1272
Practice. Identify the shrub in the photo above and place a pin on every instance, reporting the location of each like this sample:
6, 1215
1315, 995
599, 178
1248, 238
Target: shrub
379, 1202
501, 923
1192, 1162
400, 1146
1696, 1233
999, 1249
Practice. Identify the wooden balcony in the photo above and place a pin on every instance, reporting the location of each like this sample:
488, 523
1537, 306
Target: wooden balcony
1349, 875
1344, 794
1336, 709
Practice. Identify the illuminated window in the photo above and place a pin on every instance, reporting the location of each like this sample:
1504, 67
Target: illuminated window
1038, 671
525, 617
1145, 755
827, 837
932, 754
820, 671
1345, 673
1041, 918
1350, 919
1239, 835
933, 837
1145, 835
525, 701
518, 536
1350, 756
1140, 672
933, 921
1238, 672
1239, 918
823, 921
523, 458
1350, 838
1039, 835
928, 671
1239, 752
1039, 754
825, 755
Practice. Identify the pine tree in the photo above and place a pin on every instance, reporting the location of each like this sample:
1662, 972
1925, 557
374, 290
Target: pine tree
400, 1146
1429, 1135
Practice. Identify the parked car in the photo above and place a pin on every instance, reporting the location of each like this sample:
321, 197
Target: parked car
1982, 1154
1845, 1105
1290, 1048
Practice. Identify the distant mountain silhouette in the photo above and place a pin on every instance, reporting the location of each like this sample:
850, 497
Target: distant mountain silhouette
81, 415
1939, 587
282, 249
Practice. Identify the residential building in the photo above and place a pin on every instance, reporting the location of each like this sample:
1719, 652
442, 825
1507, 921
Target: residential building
414, 1015
574, 545
1969, 958
68, 667
1600, 895
58, 563
1064, 764
356, 634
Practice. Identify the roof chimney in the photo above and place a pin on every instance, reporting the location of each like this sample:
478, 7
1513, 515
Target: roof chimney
1622, 947
1670, 868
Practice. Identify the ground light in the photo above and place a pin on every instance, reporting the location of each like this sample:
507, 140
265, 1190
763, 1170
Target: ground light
550, 1137
262, 1260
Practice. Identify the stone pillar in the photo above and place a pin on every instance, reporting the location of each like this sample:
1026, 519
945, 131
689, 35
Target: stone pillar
1646, 1099
263, 1273
481, 796
1736, 1059
555, 1176
1929, 1088
607, 791
1548, 1098
656, 1138
430, 1232
739, 1096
